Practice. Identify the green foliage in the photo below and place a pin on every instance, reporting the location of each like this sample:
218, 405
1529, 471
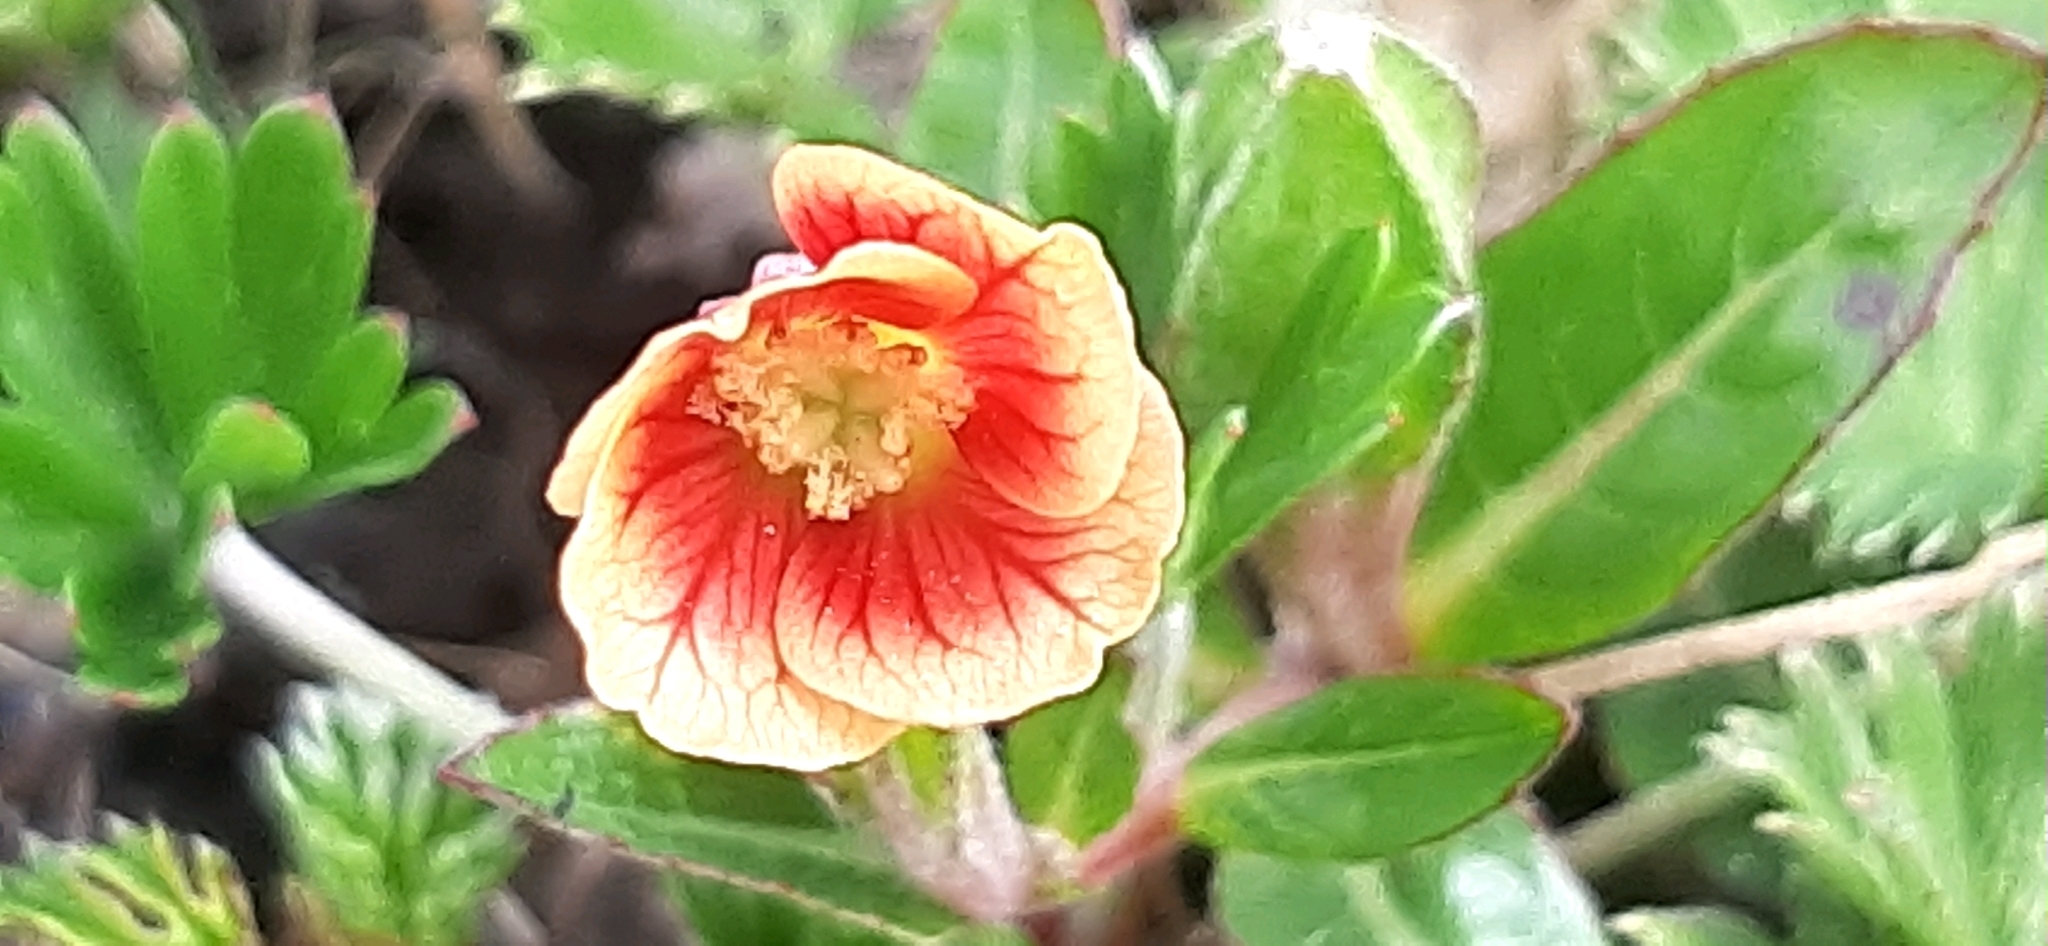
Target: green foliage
34, 29
774, 60
1325, 171
1106, 175
1949, 449
202, 354
1689, 926
1496, 881
1910, 779
1000, 79
757, 849
1652, 407
1072, 764
142, 887
1368, 767
383, 847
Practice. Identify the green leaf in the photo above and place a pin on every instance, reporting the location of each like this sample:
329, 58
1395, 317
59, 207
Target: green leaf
1949, 449
1204, 460
755, 830
1689, 926
184, 256
1657, 47
247, 445
1309, 422
80, 24
142, 614
1325, 172
48, 476
1289, 143
356, 380
387, 849
408, 437
301, 244
1632, 416
763, 59
1108, 180
1368, 767
1001, 75
1072, 765
143, 887
95, 354
1495, 882
1913, 784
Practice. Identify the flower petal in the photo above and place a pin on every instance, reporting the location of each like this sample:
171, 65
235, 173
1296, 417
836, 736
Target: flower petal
670, 577
896, 283
958, 607
1053, 360
668, 359
831, 197
1050, 343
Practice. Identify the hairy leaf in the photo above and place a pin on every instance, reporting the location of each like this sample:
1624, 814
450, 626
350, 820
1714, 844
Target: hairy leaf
386, 849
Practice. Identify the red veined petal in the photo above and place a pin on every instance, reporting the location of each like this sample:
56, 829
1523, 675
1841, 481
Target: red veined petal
1052, 357
1050, 342
830, 197
887, 282
670, 579
957, 607
669, 359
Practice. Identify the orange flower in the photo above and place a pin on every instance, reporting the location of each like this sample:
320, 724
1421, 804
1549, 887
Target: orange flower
916, 475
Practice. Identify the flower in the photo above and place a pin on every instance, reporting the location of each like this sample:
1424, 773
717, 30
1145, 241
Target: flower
916, 475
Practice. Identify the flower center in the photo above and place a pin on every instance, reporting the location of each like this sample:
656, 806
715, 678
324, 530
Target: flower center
831, 398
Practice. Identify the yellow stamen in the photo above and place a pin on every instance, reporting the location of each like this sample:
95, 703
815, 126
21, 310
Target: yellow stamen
826, 397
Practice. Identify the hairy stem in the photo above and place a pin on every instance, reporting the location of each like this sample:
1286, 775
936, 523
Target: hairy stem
1613, 836
1759, 635
276, 603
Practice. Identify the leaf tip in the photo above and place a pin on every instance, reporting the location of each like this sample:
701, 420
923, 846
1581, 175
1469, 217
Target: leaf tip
465, 419
397, 323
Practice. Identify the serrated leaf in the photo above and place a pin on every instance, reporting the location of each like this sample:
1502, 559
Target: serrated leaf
760, 59
1689, 926
184, 261
1001, 75
1072, 765
143, 887
1496, 882
1652, 407
1949, 449
1913, 782
247, 445
301, 243
383, 845
1367, 767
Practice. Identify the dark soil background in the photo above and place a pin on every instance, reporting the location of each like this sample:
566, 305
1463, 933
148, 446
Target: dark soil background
532, 305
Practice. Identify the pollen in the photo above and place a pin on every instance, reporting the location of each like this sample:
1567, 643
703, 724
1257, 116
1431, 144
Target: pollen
853, 413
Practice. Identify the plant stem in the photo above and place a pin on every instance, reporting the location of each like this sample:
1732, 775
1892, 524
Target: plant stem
1614, 835
1755, 636
275, 602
